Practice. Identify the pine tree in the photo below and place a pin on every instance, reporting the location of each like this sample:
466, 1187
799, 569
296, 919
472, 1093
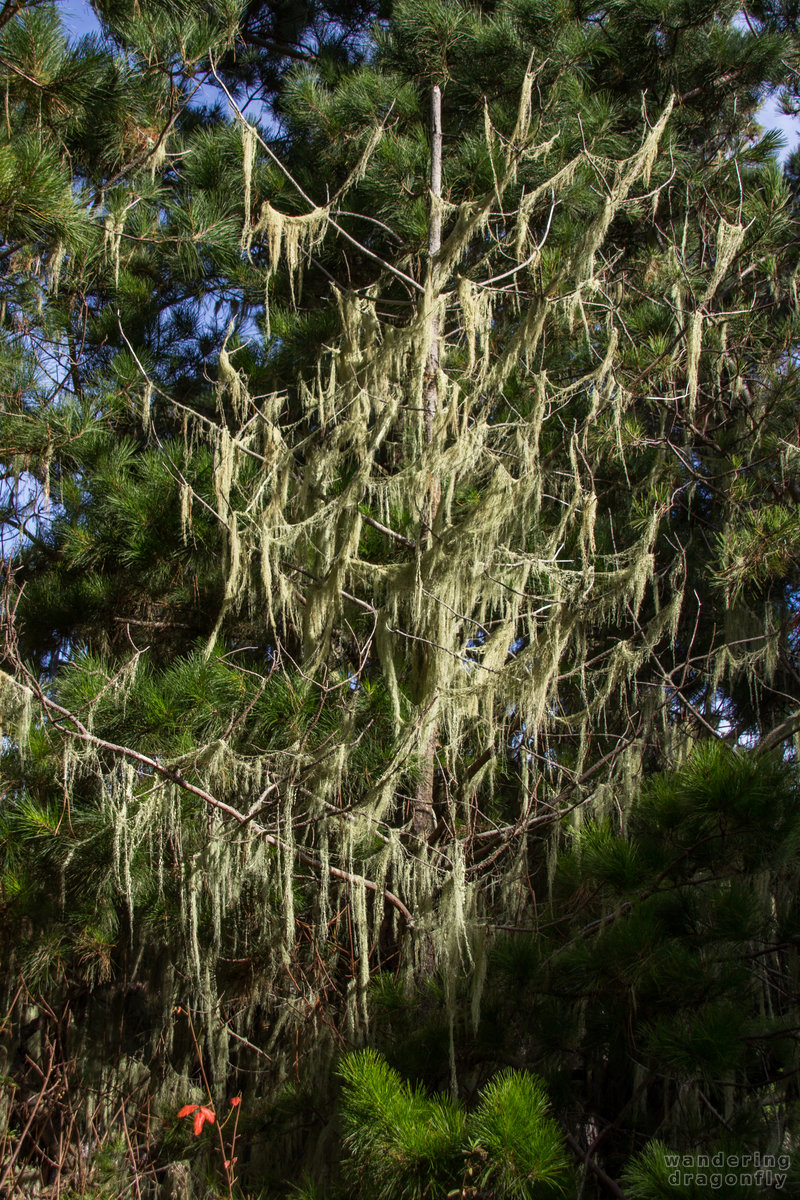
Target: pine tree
659, 976
364, 568
402, 1142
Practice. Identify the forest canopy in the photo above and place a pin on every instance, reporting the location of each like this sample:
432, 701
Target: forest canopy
400, 502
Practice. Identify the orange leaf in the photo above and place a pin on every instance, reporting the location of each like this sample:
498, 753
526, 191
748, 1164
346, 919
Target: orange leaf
236, 1101
187, 1110
199, 1119
208, 1113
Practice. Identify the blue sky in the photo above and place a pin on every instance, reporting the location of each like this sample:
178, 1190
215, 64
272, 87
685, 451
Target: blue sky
772, 118
79, 18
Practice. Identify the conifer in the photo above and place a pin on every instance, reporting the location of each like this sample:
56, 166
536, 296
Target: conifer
373, 594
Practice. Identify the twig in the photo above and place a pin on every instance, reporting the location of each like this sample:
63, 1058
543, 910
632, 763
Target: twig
387, 266
594, 1167
31, 1118
81, 733
398, 537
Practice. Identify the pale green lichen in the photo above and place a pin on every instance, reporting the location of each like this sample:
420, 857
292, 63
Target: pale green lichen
481, 624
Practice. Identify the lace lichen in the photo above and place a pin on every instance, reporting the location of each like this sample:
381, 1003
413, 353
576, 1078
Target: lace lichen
504, 630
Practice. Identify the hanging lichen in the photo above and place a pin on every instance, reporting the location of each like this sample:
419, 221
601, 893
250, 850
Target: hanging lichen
288, 238
55, 266
515, 633
114, 229
232, 385
249, 143
15, 709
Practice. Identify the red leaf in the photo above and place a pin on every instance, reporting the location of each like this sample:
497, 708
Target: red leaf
236, 1101
208, 1113
199, 1120
187, 1110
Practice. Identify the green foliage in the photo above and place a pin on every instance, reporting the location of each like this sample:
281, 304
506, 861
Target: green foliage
648, 966
378, 614
402, 1143
519, 1145
658, 1174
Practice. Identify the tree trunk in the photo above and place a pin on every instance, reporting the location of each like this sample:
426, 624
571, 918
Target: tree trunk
424, 820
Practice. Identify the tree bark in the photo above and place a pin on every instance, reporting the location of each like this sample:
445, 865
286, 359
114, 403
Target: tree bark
424, 819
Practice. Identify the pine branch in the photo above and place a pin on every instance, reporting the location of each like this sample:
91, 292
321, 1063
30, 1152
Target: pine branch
397, 537
779, 734
393, 270
74, 728
283, 48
